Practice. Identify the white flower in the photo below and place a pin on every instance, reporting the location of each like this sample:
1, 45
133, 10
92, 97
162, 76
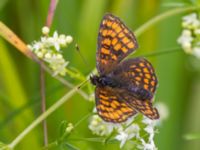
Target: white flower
127, 134
150, 127
48, 56
123, 137
185, 40
40, 54
147, 146
190, 37
62, 40
45, 30
37, 46
49, 49
100, 127
149, 122
150, 131
191, 21
130, 120
69, 39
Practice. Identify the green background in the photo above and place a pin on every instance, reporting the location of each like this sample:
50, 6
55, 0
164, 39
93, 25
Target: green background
179, 79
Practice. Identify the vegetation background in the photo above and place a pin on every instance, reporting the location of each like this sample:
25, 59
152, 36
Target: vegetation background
179, 80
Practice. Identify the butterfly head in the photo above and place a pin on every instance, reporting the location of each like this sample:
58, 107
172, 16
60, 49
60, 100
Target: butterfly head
103, 81
99, 80
94, 80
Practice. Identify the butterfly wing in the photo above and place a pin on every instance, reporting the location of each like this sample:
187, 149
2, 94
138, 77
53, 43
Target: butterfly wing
115, 41
139, 77
146, 108
143, 106
110, 106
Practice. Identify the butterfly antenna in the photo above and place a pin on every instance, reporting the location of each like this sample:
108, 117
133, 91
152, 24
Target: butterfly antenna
83, 58
83, 83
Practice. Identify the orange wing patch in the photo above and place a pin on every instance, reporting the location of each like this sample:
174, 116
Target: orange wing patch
138, 71
110, 107
116, 38
146, 108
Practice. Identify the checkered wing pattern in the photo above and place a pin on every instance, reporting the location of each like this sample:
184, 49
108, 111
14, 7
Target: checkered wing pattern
115, 41
139, 77
143, 106
111, 107
146, 108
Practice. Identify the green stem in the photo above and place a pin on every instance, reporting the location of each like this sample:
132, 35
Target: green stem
42, 117
75, 75
163, 16
156, 53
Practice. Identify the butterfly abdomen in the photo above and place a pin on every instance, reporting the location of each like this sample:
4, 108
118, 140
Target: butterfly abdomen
103, 81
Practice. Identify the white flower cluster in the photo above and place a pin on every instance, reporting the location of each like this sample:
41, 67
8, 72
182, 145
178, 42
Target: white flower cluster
129, 130
99, 127
49, 50
190, 37
150, 130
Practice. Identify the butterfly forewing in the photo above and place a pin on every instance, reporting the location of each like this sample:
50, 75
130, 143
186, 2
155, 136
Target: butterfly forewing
110, 106
115, 41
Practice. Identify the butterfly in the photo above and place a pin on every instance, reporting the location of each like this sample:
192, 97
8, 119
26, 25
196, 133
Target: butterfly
123, 88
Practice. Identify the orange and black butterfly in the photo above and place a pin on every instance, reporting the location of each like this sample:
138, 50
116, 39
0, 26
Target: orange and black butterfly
123, 88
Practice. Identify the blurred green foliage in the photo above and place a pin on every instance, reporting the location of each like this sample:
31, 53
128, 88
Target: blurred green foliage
179, 82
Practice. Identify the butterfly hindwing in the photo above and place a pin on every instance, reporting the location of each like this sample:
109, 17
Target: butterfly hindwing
139, 75
110, 106
115, 42
143, 106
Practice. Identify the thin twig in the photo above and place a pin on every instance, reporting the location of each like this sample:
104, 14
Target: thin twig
51, 12
48, 23
43, 103
158, 53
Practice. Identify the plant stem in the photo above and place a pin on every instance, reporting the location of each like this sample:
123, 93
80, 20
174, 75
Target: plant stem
43, 116
163, 16
49, 20
157, 53
51, 12
43, 104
